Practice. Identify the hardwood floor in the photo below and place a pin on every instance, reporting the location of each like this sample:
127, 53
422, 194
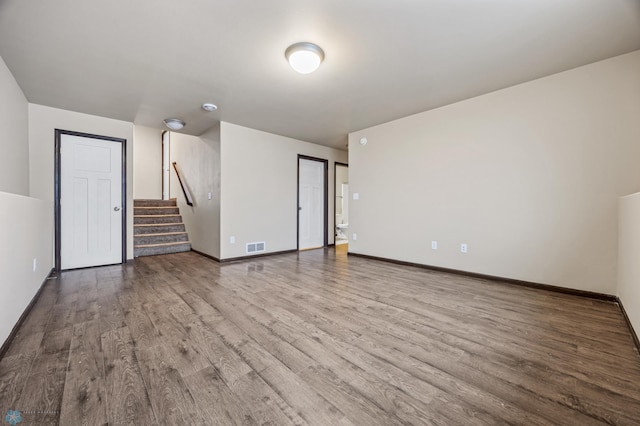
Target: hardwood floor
314, 338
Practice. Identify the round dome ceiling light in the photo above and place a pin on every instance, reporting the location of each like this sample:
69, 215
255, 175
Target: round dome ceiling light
207, 106
363, 141
304, 57
174, 123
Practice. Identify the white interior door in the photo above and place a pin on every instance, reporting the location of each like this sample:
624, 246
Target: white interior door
90, 202
311, 208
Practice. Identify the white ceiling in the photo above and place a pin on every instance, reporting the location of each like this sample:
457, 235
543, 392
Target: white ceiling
146, 60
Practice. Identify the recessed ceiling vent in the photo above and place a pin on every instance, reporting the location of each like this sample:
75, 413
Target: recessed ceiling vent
255, 247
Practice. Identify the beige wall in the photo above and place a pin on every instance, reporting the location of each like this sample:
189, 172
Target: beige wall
199, 160
628, 258
529, 177
26, 229
26, 224
259, 188
14, 135
42, 124
147, 163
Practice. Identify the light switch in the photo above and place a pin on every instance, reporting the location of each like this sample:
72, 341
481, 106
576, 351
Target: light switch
232, 239
356, 196
209, 195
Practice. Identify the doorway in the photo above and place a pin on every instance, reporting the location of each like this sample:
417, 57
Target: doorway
312, 202
90, 200
341, 205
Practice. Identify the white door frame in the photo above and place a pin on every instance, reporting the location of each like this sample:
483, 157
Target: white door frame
326, 199
56, 184
166, 164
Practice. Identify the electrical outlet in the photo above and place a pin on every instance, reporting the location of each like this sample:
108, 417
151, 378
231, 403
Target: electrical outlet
434, 245
232, 239
209, 195
463, 248
354, 237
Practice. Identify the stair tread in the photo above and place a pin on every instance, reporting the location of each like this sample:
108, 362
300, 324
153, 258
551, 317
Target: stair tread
156, 207
160, 234
152, 203
159, 224
162, 214
179, 243
156, 215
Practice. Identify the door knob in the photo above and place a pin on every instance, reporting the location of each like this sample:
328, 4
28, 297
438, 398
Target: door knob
116, 209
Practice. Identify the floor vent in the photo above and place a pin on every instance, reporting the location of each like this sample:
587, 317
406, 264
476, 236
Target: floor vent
255, 247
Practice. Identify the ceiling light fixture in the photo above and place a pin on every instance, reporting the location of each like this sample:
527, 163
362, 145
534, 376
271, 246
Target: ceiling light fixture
304, 57
174, 123
207, 106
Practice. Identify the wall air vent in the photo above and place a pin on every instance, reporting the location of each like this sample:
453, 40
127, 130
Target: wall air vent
255, 247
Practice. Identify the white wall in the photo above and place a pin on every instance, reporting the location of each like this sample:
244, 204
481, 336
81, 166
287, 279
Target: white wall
25, 234
42, 124
199, 160
629, 255
14, 135
259, 188
147, 163
529, 177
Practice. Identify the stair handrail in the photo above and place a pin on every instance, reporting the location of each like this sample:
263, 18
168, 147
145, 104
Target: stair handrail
183, 184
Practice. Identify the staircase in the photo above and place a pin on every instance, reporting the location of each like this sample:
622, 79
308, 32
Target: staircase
158, 228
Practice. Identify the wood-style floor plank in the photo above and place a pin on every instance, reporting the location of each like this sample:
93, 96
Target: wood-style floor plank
263, 401
316, 338
127, 397
218, 404
14, 371
84, 400
41, 398
171, 401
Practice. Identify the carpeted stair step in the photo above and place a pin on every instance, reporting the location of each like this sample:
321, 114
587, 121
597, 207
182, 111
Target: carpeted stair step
146, 211
157, 228
154, 218
164, 248
154, 203
169, 237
